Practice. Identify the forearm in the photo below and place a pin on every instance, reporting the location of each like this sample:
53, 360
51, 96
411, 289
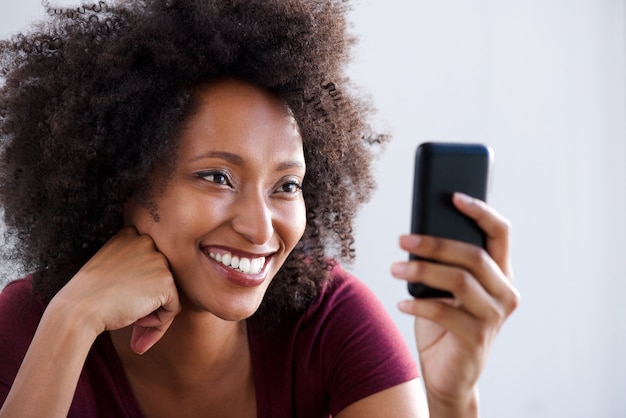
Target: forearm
47, 378
466, 408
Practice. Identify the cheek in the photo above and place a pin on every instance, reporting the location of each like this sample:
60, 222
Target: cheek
172, 220
299, 223
289, 224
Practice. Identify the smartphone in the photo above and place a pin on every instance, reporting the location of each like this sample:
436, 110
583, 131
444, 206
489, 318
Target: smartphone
440, 170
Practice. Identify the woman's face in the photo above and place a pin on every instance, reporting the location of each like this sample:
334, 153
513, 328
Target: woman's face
233, 209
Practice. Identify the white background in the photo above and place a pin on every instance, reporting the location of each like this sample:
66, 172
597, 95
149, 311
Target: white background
542, 82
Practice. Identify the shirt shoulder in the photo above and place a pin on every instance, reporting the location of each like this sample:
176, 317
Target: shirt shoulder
20, 313
343, 348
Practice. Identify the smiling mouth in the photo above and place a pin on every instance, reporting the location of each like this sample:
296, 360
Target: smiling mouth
242, 264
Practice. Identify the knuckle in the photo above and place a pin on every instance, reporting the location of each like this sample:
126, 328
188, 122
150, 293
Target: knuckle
503, 228
461, 282
476, 255
494, 313
145, 241
432, 246
162, 260
482, 334
173, 304
478, 258
513, 301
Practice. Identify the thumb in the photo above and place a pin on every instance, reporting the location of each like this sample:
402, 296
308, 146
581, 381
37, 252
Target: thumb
147, 331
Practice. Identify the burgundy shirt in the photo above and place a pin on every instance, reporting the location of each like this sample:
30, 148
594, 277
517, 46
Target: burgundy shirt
343, 348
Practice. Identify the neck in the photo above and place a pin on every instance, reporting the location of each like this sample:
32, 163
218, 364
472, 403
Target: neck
196, 346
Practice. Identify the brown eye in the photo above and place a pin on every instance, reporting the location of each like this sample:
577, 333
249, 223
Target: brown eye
292, 186
216, 177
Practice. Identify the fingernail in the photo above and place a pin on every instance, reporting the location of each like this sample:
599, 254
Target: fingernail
462, 197
411, 241
404, 305
398, 268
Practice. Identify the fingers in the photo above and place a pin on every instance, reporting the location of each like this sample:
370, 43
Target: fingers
445, 314
462, 284
148, 330
126, 282
470, 264
480, 279
496, 227
142, 338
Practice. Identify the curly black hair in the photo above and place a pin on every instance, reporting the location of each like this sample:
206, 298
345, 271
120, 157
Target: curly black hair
93, 100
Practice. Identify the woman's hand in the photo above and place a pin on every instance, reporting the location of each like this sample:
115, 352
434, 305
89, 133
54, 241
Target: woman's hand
454, 336
127, 282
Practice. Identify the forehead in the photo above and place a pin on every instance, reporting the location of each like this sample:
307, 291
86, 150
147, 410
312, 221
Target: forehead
235, 115
233, 93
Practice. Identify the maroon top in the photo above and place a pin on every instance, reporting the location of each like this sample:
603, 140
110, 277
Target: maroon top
343, 348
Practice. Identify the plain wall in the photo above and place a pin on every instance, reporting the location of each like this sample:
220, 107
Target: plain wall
542, 82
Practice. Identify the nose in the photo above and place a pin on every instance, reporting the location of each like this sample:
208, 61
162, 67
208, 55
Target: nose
253, 217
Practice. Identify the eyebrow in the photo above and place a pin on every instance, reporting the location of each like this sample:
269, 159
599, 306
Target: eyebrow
228, 156
237, 160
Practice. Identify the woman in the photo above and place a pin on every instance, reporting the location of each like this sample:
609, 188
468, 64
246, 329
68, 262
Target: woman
181, 177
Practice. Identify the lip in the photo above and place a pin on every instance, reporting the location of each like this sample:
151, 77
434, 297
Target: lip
239, 278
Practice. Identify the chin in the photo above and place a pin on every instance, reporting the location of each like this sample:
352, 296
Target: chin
237, 309
236, 314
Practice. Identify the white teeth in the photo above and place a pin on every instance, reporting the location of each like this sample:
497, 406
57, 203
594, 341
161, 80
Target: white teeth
243, 264
256, 264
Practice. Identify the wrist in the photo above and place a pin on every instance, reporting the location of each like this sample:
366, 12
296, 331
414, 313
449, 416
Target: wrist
464, 407
68, 317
